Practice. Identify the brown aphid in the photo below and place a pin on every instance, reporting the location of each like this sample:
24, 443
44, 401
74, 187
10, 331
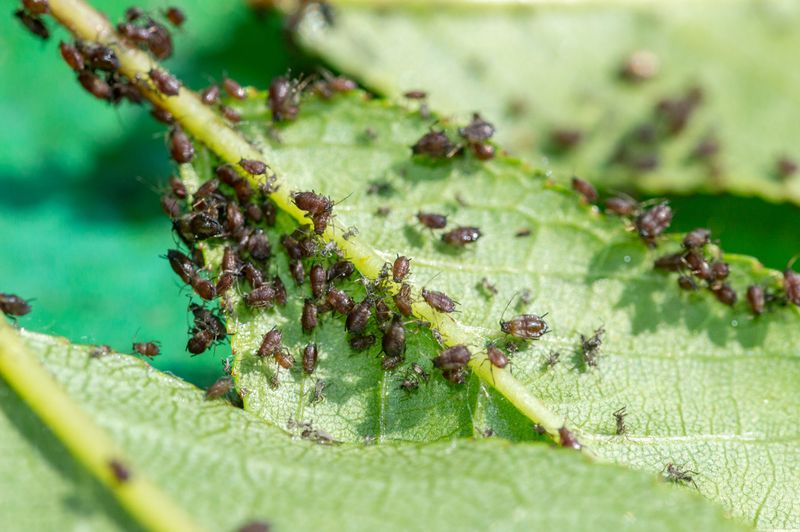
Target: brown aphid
164, 82
720, 270
479, 130
94, 85
234, 89
253, 167
205, 319
435, 144
756, 299
438, 301
394, 338
652, 222
159, 40
271, 343
259, 247
175, 16
13, 305
567, 439
253, 213
358, 318
455, 376
119, 471
284, 359
678, 475
409, 385
687, 283
403, 300
298, 271
36, 7
180, 146
254, 276
310, 358
255, 526
318, 278
261, 297
483, 151
100, 351
362, 342
725, 294
585, 189
340, 270
147, 349
621, 206
564, 139
339, 301
200, 341
312, 203
525, 327
382, 312
453, 358
389, 363
72, 56
98, 57
162, 115
496, 357
670, 263
203, 288
34, 23
432, 220
229, 260
283, 99
461, 236
181, 265
786, 167
619, 418
415, 95
210, 95
280, 290
696, 238
177, 187
308, 320
206, 189
220, 388
698, 265
400, 268
230, 114
791, 285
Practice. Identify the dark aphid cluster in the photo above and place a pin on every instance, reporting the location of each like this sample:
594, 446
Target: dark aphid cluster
97, 69
476, 134
318, 208
652, 222
13, 305
590, 347
143, 31
696, 268
208, 329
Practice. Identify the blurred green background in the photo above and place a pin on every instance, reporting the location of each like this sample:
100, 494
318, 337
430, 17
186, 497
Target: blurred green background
81, 229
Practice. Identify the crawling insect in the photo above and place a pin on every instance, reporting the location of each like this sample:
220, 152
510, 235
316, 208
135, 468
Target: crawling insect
461, 236
165, 83
525, 326
435, 144
590, 346
400, 268
678, 475
438, 301
220, 388
619, 418
432, 220
567, 439
652, 222
147, 349
13, 305
756, 298
585, 189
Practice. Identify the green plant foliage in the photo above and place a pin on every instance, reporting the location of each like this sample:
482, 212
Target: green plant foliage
542, 67
705, 385
227, 467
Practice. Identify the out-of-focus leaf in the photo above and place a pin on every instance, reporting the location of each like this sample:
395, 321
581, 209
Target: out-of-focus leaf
536, 68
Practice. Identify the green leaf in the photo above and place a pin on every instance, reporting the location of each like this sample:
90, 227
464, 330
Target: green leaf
706, 386
228, 468
540, 67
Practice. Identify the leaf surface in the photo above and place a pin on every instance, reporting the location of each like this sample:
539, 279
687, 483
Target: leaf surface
228, 467
706, 387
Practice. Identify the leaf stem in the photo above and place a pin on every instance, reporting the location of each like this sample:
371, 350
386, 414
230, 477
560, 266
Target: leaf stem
84, 439
205, 125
